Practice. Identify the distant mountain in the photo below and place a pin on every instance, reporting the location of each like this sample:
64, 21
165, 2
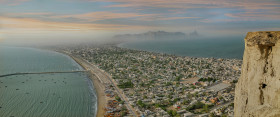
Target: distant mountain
193, 35
159, 35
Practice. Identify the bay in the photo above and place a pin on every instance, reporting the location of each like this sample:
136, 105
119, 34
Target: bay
43, 95
222, 47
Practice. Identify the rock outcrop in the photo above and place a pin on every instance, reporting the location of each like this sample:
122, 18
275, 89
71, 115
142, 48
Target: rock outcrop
257, 92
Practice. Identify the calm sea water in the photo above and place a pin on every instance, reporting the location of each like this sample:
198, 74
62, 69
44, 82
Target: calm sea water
226, 47
43, 95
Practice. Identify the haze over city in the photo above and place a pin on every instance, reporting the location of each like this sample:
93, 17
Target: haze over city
41, 21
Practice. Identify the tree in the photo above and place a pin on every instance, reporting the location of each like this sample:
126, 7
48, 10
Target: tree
170, 112
234, 81
193, 87
185, 102
145, 97
174, 113
224, 115
118, 98
212, 115
205, 108
197, 105
178, 78
127, 84
141, 104
232, 104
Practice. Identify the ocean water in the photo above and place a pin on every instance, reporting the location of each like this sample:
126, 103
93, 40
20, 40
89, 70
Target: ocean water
226, 47
43, 95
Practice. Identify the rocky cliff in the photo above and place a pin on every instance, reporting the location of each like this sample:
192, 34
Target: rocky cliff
257, 92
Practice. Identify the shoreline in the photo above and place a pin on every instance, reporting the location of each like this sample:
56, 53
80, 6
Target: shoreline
158, 51
98, 86
100, 80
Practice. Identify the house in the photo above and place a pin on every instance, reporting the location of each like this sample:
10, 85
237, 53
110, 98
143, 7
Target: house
188, 114
182, 111
203, 115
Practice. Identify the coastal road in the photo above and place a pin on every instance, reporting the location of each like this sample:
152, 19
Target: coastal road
104, 78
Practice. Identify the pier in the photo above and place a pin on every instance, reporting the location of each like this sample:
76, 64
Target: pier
25, 73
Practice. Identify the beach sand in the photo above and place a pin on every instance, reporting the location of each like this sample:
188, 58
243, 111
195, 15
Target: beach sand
102, 99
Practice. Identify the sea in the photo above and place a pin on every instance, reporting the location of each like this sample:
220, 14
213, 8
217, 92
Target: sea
220, 47
43, 95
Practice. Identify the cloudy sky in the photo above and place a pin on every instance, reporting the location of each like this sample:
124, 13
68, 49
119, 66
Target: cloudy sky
89, 19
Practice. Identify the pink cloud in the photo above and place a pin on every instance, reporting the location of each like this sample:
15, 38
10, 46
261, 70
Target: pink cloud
162, 17
175, 18
34, 24
95, 16
181, 5
253, 15
248, 4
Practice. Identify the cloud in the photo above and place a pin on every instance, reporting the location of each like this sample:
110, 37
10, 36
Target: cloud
103, 15
12, 2
241, 7
255, 15
134, 15
185, 4
28, 24
175, 18
263, 15
106, 15
162, 18
28, 14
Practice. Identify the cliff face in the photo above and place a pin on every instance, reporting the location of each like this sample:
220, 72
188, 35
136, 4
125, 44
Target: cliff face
257, 92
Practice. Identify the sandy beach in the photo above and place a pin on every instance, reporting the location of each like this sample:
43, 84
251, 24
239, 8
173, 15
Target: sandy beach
101, 98
98, 85
99, 79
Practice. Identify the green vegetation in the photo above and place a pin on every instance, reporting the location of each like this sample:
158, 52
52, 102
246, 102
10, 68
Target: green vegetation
145, 97
178, 78
213, 115
162, 106
141, 104
205, 108
185, 102
172, 113
232, 104
128, 84
207, 79
224, 115
193, 87
197, 105
168, 83
234, 81
123, 111
118, 98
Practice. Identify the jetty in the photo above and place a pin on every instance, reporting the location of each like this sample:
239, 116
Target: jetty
56, 72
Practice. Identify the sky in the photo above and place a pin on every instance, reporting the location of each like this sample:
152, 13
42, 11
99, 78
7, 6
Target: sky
75, 20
